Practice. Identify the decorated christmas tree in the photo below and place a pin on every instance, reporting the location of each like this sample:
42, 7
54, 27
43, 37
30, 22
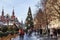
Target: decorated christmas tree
29, 20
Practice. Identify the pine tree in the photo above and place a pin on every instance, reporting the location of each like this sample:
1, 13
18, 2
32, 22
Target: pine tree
29, 19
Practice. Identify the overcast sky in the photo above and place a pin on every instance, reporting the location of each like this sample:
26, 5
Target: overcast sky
20, 7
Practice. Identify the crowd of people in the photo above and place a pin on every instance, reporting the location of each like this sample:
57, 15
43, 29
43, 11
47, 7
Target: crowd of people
22, 32
29, 32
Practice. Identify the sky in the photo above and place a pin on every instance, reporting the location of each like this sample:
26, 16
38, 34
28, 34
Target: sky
20, 7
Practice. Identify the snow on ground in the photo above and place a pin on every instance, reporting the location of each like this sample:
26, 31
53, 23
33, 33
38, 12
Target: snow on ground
33, 37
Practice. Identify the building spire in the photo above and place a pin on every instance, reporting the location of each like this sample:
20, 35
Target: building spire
13, 14
22, 21
2, 12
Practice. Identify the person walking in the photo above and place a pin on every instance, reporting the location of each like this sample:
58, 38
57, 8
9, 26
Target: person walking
21, 33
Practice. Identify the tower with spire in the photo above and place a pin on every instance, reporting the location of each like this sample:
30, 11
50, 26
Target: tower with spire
2, 12
2, 15
13, 15
7, 19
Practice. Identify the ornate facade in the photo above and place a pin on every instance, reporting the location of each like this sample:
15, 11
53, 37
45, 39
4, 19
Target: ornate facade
8, 20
